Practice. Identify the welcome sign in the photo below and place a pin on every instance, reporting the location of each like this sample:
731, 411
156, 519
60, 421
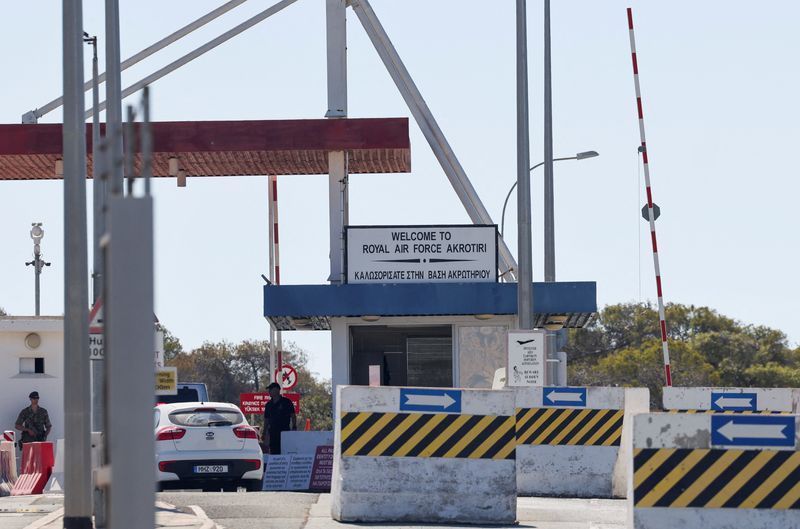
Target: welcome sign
421, 254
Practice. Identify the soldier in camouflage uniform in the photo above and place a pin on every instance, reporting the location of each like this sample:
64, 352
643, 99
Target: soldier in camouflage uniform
33, 421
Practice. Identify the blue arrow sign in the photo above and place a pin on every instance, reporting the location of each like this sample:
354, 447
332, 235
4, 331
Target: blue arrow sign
726, 401
446, 400
753, 430
562, 396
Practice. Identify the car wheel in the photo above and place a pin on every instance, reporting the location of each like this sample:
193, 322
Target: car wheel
251, 485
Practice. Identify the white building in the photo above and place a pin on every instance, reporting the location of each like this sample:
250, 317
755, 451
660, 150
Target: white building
32, 359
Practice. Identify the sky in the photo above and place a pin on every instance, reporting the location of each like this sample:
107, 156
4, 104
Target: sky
719, 90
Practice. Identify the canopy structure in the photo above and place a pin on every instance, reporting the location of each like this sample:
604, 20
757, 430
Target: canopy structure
227, 148
307, 307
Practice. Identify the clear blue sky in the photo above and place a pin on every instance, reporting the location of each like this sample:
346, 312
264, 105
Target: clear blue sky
720, 95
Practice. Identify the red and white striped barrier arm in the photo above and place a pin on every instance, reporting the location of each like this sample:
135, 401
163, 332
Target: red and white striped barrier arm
9, 435
651, 218
273, 182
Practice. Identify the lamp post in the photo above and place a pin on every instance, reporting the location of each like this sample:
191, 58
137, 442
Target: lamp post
37, 234
579, 156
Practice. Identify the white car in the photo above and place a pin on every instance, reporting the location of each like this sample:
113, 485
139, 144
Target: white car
206, 445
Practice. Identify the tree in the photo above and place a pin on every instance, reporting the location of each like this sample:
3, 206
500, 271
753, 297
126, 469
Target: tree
622, 346
2, 312
231, 369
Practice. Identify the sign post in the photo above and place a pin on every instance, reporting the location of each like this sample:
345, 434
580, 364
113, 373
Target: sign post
526, 358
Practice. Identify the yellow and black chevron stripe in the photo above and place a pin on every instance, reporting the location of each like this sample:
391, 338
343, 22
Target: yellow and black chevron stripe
712, 478
568, 426
428, 435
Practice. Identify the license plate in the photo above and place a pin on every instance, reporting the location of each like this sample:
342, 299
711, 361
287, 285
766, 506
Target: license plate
210, 469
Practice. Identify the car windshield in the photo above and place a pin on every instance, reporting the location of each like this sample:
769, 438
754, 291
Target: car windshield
206, 417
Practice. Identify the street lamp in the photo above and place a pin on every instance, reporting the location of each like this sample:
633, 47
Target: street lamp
37, 234
580, 156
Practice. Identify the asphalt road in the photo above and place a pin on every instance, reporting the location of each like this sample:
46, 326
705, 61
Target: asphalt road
248, 510
292, 510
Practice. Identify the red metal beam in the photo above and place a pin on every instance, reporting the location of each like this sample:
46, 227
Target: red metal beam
229, 148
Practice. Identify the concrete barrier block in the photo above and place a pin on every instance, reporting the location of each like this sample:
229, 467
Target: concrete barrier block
424, 455
304, 442
732, 399
575, 441
715, 471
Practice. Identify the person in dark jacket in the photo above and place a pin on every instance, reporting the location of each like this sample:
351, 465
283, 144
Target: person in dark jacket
33, 421
279, 417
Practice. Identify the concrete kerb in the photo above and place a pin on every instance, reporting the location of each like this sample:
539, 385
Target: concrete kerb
424, 455
574, 441
715, 471
785, 400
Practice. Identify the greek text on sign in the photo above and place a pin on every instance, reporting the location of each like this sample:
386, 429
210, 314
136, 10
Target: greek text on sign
422, 254
526, 358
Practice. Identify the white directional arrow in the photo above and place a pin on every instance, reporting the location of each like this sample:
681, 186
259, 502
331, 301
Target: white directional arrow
444, 401
734, 402
554, 395
731, 431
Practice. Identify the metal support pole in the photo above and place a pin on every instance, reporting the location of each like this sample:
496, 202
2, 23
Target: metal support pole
113, 96
525, 252
99, 196
430, 128
34, 115
549, 225
338, 189
129, 322
77, 461
192, 55
549, 218
38, 272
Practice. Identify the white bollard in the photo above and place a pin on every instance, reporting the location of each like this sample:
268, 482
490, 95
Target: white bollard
575, 441
715, 471
696, 399
424, 455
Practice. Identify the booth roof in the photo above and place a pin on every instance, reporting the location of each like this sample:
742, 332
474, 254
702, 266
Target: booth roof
293, 307
227, 148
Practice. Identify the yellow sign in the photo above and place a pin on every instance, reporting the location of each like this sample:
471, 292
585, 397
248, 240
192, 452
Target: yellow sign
167, 381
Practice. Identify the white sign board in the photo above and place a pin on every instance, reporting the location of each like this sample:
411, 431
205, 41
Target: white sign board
97, 348
422, 254
526, 358
287, 472
159, 350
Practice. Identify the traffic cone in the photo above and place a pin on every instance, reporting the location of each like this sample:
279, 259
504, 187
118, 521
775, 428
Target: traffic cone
308, 425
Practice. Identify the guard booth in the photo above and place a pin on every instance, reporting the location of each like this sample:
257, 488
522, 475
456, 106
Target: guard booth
422, 306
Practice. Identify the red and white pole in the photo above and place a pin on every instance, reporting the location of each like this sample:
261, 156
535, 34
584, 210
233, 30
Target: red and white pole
276, 261
651, 217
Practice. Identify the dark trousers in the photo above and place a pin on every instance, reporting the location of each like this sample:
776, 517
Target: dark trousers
274, 442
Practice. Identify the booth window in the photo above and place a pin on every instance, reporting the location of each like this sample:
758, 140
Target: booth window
405, 356
31, 365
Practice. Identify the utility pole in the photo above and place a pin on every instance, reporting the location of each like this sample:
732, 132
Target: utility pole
37, 233
113, 96
549, 207
77, 460
524, 250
